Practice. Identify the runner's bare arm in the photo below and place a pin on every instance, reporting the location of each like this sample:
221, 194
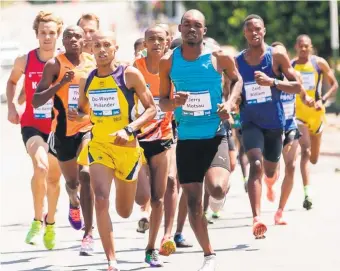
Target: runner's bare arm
16, 73
226, 63
135, 80
281, 61
329, 75
165, 102
45, 90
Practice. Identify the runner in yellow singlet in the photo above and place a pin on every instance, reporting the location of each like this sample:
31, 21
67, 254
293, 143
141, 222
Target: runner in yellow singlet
108, 95
310, 120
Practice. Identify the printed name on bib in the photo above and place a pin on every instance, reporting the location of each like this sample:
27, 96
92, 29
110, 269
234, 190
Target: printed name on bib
198, 104
256, 94
104, 102
159, 115
44, 111
73, 96
308, 80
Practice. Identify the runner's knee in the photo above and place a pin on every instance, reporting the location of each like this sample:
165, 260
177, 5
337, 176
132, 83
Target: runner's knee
256, 168
124, 211
84, 177
290, 167
40, 169
157, 201
218, 192
305, 153
314, 160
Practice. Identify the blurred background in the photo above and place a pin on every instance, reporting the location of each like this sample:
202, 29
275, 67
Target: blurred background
284, 21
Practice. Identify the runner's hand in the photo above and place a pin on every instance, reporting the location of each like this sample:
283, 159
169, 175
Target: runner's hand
72, 114
224, 110
180, 98
309, 101
121, 137
13, 116
262, 79
68, 77
318, 105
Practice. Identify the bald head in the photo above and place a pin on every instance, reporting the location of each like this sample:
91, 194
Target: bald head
108, 35
193, 14
154, 29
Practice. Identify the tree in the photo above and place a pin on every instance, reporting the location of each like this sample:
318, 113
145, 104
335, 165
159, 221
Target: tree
284, 21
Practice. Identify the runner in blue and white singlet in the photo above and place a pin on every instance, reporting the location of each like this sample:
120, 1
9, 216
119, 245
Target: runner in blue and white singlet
262, 114
202, 148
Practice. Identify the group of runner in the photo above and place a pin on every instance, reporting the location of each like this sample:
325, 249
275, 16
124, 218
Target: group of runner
166, 122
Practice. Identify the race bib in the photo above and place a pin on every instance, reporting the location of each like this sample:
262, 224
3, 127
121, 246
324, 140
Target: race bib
104, 102
256, 94
288, 102
308, 80
73, 96
159, 115
198, 104
44, 111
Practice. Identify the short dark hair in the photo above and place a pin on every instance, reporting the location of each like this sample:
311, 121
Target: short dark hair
175, 43
303, 36
137, 43
252, 16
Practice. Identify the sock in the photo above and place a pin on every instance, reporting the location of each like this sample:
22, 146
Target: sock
306, 189
212, 254
113, 263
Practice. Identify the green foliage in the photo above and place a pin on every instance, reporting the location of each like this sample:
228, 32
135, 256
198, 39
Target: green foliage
284, 21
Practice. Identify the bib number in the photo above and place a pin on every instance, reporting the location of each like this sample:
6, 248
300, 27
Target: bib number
104, 102
44, 111
308, 80
256, 94
73, 96
198, 104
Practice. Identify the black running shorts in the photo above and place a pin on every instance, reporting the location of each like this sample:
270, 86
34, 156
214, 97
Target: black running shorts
268, 140
195, 157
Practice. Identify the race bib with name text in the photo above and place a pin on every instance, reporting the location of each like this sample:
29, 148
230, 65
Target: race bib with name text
198, 104
308, 80
256, 94
73, 96
104, 102
44, 111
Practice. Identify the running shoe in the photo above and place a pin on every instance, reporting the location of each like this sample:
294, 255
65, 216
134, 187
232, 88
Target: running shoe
143, 225
168, 247
74, 217
152, 258
49, 236
34, 232
180, 241
307, 203
87, 244
209, 263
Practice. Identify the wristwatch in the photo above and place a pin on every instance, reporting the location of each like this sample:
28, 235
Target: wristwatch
323, 101
128, 130
275, 82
